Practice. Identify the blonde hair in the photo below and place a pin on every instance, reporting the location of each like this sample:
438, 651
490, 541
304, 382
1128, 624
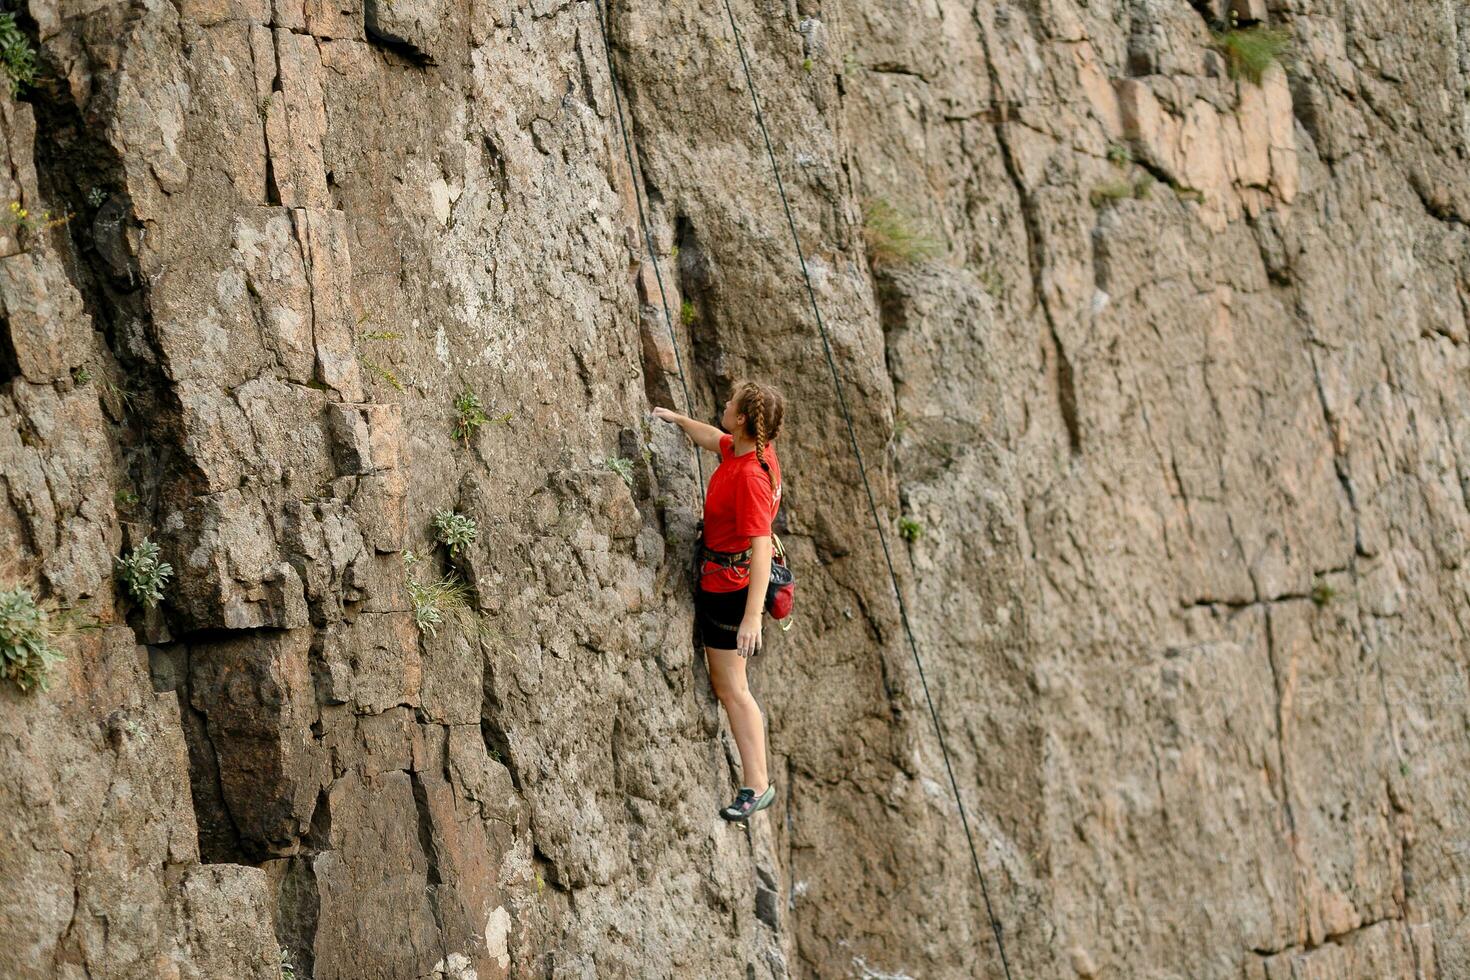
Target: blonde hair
763, 406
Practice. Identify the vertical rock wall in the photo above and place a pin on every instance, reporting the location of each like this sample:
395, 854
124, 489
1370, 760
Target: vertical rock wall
1178, 410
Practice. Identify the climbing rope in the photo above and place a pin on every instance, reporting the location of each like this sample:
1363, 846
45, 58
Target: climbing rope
872, 503
647, 235
841, 399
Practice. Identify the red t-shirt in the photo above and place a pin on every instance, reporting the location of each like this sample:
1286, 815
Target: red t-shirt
738, 505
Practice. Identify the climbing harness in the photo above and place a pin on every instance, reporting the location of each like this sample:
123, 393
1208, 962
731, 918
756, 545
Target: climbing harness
780, 590
847, 416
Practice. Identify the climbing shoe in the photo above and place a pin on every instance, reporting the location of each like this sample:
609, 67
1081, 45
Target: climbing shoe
746, 803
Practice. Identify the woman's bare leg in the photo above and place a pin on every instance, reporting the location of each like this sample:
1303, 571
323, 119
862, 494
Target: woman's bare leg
727, 675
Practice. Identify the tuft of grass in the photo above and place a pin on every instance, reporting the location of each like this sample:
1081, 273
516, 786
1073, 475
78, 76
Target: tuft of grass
26, 649
622, 466
687, 314
80, 375
992, 283
469, 415
433, 601
1322, 593
16, 55
455, 530
910, 529
144, 573
1119, 155
125, 498
1249, 51
807, 65
122, 396
1188, 193
892, 236
379, 371
1113, 190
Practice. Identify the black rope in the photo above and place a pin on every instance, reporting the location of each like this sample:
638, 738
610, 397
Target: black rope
647, 235
872, 503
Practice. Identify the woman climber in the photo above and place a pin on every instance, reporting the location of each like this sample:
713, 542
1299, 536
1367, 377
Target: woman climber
735, 565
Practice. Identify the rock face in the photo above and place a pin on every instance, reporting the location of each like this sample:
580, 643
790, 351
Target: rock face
1177, 414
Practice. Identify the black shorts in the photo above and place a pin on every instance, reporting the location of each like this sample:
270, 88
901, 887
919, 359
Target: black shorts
718, 615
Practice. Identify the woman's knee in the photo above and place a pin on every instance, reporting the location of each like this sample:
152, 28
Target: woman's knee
731, 692
728, 681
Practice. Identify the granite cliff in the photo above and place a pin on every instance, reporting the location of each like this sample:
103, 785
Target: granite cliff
1159, 361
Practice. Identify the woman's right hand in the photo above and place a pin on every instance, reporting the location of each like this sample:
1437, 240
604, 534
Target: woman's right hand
667, 414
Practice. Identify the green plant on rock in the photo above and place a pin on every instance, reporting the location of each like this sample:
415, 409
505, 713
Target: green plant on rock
123, 397
455, 530
80, 375
910, 529
432, 601
19, 217
687, 313
26, 649
622, 466
892, 236
1187, 193
1119, 155
379, 371
469, 415
16, 55
992, 283
1322, 593
1250, 51
288, 969
144, 573
1113, 190
807, 65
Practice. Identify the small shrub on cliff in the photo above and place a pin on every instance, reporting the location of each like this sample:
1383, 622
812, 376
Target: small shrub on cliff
1249, 51
144, 574
910, 529
622, 466
432, 601
893, 237
1322, 593
16, 55
469, 415
687, 314
455, 530
26, 650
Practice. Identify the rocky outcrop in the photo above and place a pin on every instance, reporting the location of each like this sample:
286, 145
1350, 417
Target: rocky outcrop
1175, 416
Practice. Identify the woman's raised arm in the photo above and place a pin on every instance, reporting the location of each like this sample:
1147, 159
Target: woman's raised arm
705, 436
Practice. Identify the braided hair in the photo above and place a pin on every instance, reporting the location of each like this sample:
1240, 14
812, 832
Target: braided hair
762, 406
